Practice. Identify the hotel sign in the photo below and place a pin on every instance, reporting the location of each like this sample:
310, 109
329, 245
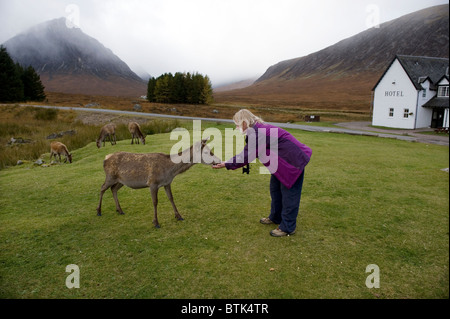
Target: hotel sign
393, 93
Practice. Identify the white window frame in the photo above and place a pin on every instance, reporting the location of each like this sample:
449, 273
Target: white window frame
443, 91
405, 113
391, 112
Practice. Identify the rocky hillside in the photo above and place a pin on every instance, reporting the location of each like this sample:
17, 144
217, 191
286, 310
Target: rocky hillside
70, 61
342, 75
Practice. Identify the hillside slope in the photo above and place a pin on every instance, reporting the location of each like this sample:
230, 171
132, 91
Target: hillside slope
70, 61
341, 76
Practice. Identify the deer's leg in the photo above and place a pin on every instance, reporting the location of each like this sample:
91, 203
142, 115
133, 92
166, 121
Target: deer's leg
114, 135
114, 190
168, 190
107, 184
154, 193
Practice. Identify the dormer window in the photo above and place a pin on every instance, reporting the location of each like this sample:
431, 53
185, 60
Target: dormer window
443, 91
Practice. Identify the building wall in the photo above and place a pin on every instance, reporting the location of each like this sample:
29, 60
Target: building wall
423, 118
444, 81
446, 119
395, 90
446, 123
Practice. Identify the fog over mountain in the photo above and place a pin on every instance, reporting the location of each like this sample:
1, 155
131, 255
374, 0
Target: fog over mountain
70, 61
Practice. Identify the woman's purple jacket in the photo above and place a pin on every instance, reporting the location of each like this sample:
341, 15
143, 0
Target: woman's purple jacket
282, 154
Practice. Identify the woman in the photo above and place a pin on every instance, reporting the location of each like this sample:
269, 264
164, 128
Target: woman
284, 156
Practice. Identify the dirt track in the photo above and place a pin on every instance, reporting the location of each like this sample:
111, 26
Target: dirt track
353, 128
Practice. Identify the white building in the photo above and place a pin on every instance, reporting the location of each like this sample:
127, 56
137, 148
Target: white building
412, 93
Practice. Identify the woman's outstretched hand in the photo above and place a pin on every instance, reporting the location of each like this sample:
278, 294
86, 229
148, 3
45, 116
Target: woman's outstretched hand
221, 165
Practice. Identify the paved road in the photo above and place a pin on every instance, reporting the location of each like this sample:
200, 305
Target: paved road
415, 135
353, 128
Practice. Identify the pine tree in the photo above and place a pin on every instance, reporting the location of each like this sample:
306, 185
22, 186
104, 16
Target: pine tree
151, 89
162, 88
197, 87
18, 84
206, 94
178, 88
188, 88
33, 88
11, 86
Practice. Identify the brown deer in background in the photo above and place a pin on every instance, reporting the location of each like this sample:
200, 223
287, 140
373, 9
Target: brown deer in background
136, 133
58, 148
107, 131
152, 170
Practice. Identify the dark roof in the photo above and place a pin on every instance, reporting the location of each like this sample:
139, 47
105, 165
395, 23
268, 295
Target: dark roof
437, 102
443, 77
418, 68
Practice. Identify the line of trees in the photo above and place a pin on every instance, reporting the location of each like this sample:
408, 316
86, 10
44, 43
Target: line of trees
18, 84
180, 88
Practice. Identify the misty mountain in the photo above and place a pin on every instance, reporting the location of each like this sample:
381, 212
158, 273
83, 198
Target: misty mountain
235, 85
342, 75
70, 61
423, 33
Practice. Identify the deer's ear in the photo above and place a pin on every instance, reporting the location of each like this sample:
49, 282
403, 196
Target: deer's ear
205, 140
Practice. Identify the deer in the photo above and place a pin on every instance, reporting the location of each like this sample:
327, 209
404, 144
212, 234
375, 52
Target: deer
107, 131
152, 170
136, 133
58, 148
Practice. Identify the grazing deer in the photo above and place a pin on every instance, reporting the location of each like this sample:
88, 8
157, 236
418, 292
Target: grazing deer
152, 170
58, 148
107, 131
136, 133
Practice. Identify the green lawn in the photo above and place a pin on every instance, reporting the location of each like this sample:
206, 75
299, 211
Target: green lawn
365, 201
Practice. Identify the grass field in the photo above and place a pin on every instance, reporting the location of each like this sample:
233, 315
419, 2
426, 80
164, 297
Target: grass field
35, 125
365, 201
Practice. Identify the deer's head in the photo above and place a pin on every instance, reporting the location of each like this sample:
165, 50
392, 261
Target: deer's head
207, 156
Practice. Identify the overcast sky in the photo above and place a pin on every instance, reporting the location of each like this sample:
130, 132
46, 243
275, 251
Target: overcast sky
226, 39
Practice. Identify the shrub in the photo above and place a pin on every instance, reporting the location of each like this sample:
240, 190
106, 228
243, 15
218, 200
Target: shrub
159, 126
46, 114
